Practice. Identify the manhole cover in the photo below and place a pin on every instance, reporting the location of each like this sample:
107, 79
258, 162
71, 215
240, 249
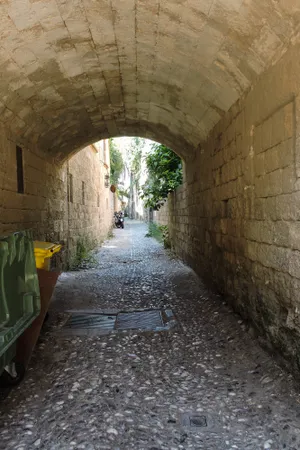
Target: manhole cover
99, 323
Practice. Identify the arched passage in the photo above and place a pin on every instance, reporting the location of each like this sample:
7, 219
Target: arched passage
156, 133
217, 81
77, 71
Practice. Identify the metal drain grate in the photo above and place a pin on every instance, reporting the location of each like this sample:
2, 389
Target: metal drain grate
99, 323
144, 320
79, 324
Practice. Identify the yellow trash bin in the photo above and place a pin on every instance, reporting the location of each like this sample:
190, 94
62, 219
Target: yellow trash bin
43, 251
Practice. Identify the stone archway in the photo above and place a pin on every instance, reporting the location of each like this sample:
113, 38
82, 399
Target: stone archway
77, 71
217, 81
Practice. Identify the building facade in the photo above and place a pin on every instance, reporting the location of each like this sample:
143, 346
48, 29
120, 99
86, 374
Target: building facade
59, 202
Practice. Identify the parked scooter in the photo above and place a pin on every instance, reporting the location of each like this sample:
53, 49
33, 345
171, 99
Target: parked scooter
119, 219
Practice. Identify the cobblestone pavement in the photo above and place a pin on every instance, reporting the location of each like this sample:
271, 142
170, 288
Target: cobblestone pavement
131, 390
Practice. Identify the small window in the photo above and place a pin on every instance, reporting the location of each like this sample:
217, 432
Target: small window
83, 192
20, 172
98, 200
70, 188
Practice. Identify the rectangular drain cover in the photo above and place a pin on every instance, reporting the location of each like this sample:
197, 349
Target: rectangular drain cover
91, 321
144, 320
99, 323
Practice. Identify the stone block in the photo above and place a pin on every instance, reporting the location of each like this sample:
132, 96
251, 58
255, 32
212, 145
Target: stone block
251, 250
266, 232
294, 234
278, 128
262, 273
274, 183
266, 133
262, 186
257, 139
287, 206
289, 120
260, 212
286, 153
275, 257
282, 283
271, 159
294, 264
252, 230
280, 233
12, 216
295, 293
259, 164
288, 180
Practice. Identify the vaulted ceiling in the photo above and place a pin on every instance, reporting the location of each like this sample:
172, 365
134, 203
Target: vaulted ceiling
76, 71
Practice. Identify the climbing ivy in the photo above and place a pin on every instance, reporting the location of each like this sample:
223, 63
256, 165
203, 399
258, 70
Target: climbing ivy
164, 176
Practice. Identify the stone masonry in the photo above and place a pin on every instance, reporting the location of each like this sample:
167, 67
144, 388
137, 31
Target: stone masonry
74, 72
215, 80
89, 212
236, 219
50, 206
130, 390
161, 217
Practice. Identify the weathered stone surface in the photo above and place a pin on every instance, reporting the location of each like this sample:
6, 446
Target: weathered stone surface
217, 81
130, 390
131, 67
252, 217
45, 206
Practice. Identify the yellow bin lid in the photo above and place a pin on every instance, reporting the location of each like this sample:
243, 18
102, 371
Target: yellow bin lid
46, 248
43, 251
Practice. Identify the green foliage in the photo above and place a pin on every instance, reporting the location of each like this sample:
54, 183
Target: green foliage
84, 253
123, 193
164, 176
154, 231
116, 163
160, 233
110, 234
166, 235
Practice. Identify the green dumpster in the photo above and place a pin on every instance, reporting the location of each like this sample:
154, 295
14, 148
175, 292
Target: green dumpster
19, 300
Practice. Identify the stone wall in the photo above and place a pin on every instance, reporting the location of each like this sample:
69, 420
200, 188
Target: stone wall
45, 205
236, 220
90, 210
161, 217
41, 206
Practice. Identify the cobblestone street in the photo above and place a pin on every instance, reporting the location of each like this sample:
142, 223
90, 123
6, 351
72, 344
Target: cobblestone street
204, 384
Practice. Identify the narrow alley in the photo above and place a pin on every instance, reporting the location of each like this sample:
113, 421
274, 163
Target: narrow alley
203, 383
